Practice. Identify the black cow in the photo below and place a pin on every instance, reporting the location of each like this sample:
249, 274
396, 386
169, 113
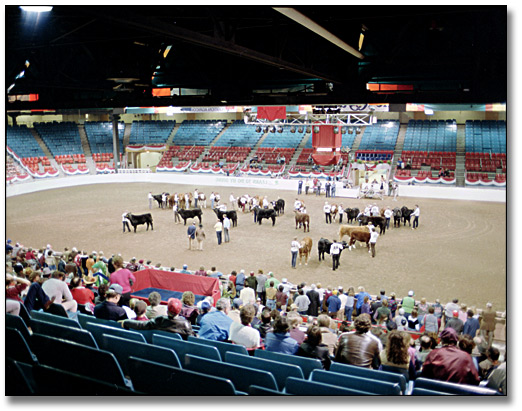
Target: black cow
279, 206
193, 213
375, 220
397, 217
324, 245
157, 197
137, 220
351, 214
406, 214
232, 215
266, 213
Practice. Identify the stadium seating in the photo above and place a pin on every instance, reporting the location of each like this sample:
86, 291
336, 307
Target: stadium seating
452, 388
380, 136
98, 330
356, 382
222, 347
61, 138
486, 136
307, 365
150, 132
56, 319
152, 378
22, 142
370, 374
431, 135
99, 134
198, 132
241, 376
123, 349
182, 348
15, 321
61, 331
239, 134
308, 388
17, 348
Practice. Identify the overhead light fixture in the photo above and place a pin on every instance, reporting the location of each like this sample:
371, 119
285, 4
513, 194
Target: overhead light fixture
308, 130
350, 130
336, 130
258, 129
358, 130
292, 129
316, 129
428, 111
265, 129
343, 130
272, 129
279, 129
300, 129
37, 9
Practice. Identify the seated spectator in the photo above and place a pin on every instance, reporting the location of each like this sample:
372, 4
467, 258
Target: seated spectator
14, 287
185, 269
491, 363
395, 357
359, 348
279, 339
295, 320
383, 313
215, 325
497, 378
449, 363
155, 308
189, 310
243, 333
56, 287
140, 309
426, 346
201, 272
265, 325
328, 336
82, 295
102, 292
233, 313
203, 307
413, 321
172, 322
313, 347
109, 309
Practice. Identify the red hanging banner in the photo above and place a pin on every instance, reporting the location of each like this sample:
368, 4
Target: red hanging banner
271, 113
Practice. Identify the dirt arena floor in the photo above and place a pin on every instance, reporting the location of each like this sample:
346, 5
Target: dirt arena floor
459, 249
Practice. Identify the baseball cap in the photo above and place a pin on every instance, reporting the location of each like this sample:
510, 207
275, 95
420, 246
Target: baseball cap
174, 306
46, 271
410, 293
205, 305
116, 288
449, 335
238, 302
455, 313
401, 311
9, 240
185, 266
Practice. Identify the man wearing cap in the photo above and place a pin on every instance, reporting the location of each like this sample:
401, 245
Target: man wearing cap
172, 322
185, 269
251, 280
125, 221
359, 348
455, 322
216, 325
109, 309
449, 363
408, 303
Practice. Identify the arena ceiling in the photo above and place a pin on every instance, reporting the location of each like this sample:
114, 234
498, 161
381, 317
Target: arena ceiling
114, 56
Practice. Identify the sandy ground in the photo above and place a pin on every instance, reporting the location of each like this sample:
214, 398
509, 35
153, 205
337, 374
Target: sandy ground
459, 249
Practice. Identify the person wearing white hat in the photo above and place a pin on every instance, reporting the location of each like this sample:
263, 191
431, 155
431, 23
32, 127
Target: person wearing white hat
408, 304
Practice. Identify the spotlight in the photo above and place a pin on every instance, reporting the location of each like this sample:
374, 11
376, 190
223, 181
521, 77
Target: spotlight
358, 130
265, 129
308, 129
350, 130
258, 129
336, 130
300, 129
343, 130
272, 129
279, 129
316, 129
292, 129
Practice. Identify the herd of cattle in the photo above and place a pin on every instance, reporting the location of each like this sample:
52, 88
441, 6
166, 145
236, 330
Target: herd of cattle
262, 209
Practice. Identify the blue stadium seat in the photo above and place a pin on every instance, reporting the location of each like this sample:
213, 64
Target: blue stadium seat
84, 319
452, 388
279, 370
152, 378
370, 374
182, 348
262, 391
15, 321
123, 348
296, 386
19, 381
425, 392
149, 333
56, 319
65, 332
307, 365
223, 347
58, 382
17, 348
356, 382
78, 359
242, 377
97, 331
